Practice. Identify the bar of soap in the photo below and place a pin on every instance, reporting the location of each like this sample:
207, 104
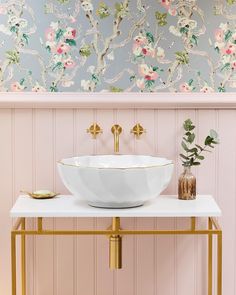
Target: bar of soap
43, 192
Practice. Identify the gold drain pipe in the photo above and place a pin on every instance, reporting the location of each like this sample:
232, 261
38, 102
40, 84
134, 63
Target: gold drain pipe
115, 246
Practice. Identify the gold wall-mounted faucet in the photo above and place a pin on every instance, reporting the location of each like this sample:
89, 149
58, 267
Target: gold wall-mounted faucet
94, 129
116, 131
137, 130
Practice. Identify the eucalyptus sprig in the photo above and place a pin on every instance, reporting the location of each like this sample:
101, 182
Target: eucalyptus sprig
193, 152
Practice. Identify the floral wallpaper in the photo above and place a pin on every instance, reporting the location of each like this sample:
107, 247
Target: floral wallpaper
115, 46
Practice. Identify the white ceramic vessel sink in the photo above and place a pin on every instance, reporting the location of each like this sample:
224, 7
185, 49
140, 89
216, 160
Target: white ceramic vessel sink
115, 181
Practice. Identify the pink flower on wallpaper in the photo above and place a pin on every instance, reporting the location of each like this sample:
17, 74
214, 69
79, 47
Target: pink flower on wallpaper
219, 35
147, 72
140, 40
69, 63
166, 3
148, 51
63, 48
17, 87
50, 34
229, 49
207, 89
172, 11
184, 87
70, 33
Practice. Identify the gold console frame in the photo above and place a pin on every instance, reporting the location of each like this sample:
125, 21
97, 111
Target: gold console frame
115, 234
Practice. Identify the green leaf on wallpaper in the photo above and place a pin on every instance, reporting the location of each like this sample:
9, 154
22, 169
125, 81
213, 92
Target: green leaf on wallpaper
85, 50
194, 39
103, 10
59, 34
116, 89
225, 67
48, 48
228, 35
217, 49
71, 42
161, 18
95, 79
230, 2
121, 10
183, 30
221, 89
13, 56
63, 1
132, 78
58, 65
149, 83
25, 38
182, 57
53, 87
14, 29
150, 37
22, 81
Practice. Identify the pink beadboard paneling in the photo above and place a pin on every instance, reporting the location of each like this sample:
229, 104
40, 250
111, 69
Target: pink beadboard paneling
185, 246
31, 142
125, 280
45, 248
64, 146
5, 197
165, 132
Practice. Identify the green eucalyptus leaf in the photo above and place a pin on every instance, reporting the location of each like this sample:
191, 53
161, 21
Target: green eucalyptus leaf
184, 146
196, 163
184, 157
199, 147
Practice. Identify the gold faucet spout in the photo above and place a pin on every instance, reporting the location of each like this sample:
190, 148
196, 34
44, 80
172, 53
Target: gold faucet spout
116, 131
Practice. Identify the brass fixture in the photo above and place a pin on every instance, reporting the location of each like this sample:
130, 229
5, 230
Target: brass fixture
138, 130
116, 130
115, 246
94, 129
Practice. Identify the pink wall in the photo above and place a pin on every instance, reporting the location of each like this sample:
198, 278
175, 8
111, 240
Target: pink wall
31, 142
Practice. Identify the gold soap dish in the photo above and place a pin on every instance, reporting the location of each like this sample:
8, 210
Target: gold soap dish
41, 194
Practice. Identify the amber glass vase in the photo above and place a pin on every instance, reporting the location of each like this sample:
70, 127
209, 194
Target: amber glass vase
187, 185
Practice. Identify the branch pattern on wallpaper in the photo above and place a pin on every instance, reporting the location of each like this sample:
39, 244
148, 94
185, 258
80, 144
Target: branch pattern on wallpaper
128, 45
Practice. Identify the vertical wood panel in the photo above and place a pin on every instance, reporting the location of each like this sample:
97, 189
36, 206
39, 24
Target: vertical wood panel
45, 271
125, 278
185, 247
23, 151
105, 276
64, 148
165, 252
5, 199
145, 256
227, 193
86, 260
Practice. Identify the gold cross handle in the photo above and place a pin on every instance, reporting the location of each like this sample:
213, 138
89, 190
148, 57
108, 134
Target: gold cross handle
94, 129
137, 130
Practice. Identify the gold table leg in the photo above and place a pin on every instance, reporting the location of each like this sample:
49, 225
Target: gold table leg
23, 266
209, 258
219, 263
13, 262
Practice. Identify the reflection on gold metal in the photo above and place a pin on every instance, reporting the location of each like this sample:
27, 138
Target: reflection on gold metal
116, 131
137, 130
210, 261
38, 195
94, 129
115, 246
115, 252
115, 241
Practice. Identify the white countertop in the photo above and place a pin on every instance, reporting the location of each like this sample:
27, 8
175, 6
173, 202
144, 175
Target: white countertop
70, 206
